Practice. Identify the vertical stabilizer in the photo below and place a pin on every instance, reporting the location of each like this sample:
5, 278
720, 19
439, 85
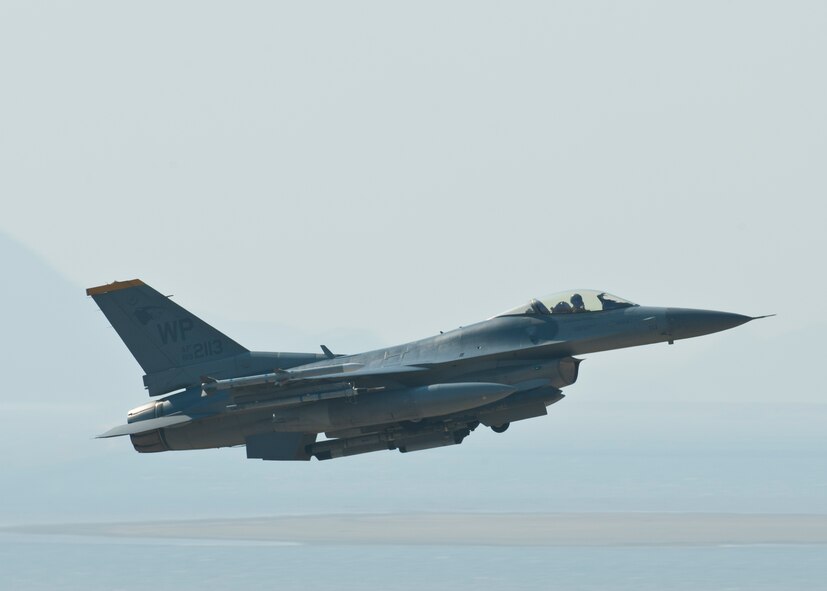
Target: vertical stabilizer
159, 333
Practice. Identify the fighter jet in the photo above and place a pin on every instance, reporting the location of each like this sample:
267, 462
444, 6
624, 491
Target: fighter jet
428, 393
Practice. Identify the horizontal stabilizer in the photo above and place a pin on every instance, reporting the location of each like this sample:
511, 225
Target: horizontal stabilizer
147, 425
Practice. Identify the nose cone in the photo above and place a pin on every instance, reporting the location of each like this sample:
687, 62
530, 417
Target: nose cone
684, 323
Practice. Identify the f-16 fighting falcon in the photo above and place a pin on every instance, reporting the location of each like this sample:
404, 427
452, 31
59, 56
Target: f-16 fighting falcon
419, 395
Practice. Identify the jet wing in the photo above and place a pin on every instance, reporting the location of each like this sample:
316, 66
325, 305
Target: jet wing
371, 372
349, 371
549, 349
336, 373
147, 425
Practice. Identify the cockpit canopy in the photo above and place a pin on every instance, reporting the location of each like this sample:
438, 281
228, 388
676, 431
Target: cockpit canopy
571, 302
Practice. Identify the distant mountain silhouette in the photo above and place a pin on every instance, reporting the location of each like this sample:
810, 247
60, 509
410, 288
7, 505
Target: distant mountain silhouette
54, 336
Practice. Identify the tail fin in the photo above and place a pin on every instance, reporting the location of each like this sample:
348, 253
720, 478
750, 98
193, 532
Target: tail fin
159, 333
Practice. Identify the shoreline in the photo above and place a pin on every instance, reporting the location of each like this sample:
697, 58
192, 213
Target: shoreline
463, 529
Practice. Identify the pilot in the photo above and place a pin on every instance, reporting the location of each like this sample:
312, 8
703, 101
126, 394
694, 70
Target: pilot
577, 304
562, 308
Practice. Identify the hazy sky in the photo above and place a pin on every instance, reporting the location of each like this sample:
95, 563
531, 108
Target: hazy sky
406, 168
369, 173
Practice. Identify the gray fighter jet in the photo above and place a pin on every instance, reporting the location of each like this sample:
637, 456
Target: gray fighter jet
424, 394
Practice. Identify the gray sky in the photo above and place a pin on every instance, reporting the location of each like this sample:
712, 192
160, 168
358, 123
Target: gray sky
362, 174
337, 163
